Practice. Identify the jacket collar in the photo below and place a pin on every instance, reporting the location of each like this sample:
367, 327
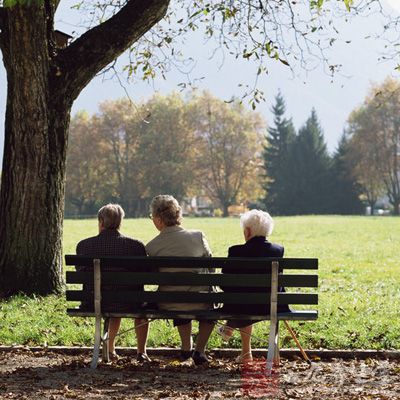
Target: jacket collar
170, 229
109, 232
257, 239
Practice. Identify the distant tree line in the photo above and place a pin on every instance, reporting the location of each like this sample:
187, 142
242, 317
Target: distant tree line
300, 177
201, 145
128, 153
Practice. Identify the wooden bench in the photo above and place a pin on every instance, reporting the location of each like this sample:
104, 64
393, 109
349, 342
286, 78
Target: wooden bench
268, 279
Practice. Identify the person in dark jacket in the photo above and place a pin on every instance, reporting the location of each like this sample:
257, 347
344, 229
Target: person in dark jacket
110, 242
257, 226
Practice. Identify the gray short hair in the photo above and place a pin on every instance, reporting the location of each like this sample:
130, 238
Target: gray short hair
167, 208
260, 222
111, 216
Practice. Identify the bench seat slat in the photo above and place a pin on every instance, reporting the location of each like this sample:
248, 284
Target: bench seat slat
299, 315
194, 297
196, 262
187, 278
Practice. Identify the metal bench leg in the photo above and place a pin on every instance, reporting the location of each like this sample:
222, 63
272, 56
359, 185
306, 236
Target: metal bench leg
273, 341
97, 341
273, 345
105, 356
276, 341
292, 333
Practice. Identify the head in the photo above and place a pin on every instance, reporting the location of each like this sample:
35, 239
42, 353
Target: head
256, 223
165, 211
110, 216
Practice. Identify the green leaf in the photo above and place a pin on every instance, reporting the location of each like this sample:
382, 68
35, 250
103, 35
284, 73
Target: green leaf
284, 62
268, 48
348, 3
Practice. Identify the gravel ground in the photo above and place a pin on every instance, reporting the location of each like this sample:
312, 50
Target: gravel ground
46, 375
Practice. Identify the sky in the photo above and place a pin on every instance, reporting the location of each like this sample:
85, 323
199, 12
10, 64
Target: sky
333, 99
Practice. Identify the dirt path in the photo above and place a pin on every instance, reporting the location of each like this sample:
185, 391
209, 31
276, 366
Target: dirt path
47, 375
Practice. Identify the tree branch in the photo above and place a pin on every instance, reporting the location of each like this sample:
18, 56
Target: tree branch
76, 65
56, 4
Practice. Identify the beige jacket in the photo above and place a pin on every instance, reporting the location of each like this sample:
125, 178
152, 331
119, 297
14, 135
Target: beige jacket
175, 241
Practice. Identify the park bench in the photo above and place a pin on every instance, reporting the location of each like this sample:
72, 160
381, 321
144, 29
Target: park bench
269, 277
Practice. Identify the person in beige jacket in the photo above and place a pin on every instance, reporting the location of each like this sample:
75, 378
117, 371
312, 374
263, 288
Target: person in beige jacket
175, 241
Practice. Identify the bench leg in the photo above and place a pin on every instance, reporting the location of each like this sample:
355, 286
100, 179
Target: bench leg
303, 353
273, 345
97, 341
277, 359
273, 341
105, 354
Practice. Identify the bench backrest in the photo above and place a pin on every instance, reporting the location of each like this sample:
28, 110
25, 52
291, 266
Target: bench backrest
259, 278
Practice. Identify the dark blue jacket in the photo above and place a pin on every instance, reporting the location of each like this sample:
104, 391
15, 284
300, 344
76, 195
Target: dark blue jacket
257, 246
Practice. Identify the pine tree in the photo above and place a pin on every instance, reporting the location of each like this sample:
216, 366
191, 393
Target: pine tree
279, 139
345, 192
309, 170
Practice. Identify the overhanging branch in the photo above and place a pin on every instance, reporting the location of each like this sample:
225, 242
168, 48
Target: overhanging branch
76, 65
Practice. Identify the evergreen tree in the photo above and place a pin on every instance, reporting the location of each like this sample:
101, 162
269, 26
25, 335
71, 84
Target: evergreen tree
275, 155
345, 192
308, 172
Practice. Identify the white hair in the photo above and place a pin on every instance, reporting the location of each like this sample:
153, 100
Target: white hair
259, 222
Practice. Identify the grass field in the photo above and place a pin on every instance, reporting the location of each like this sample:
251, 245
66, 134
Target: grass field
359, 285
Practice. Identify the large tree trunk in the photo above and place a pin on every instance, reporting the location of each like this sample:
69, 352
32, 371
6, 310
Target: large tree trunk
32, 187
42, 83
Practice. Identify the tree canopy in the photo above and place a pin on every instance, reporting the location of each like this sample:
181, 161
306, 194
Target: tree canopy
192, 147
279, 140
374, 130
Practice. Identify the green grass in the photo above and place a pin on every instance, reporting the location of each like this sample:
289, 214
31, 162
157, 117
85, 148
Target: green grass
359, 288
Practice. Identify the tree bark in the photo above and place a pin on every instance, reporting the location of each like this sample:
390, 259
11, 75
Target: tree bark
42, 84
33, 166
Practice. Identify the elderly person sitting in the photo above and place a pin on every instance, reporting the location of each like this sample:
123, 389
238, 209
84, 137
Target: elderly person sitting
111, 242
176, 241
257, 226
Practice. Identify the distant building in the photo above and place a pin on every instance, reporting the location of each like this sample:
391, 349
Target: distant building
204, 206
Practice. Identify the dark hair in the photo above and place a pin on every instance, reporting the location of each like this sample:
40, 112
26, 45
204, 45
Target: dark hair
111, 216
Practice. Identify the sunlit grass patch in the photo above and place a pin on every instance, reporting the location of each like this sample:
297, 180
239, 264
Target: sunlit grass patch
359, 285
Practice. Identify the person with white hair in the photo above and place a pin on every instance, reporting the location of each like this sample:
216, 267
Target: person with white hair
257, 226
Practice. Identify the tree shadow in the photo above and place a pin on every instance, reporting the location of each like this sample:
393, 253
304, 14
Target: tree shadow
160, 379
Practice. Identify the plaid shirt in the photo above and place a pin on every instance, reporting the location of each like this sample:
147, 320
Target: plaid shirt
110, 242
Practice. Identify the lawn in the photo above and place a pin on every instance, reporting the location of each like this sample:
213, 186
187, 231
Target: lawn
359, 285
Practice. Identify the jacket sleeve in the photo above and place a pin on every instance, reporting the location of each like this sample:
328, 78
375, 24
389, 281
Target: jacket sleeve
207, 251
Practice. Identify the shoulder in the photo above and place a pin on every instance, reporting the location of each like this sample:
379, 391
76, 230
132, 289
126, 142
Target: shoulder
132, 241
152, 244
86, 244
136, 245
194, 233
276, 248
236, 250
198, 235
256, 249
